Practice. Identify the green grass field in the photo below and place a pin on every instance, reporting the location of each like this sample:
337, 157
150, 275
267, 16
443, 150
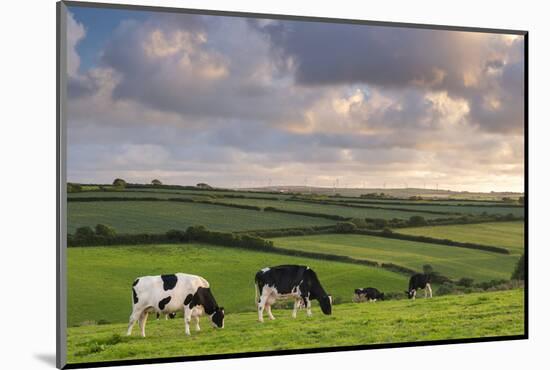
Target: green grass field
100, 278
453, 262
159, 217
449, 317
333, 209
504, 234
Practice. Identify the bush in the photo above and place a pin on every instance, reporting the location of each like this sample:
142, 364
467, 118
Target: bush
519, 272
73, 188
175, 235
84, 232
359, 222
104, 230
466, 282
380, 223
445, 288
427, 269
119, 183
345, 227
417, 221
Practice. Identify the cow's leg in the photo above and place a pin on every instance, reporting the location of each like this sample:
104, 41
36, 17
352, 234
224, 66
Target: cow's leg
308, 305
158, 316
429, 289
133, 318
187, 318
414, 294
261, 306
268, 310
295, 309
197, 326
142, 321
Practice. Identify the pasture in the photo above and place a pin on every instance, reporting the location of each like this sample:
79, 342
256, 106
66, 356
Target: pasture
355, 212
463, 316
100, 278
158, 217
503, 234
453, 262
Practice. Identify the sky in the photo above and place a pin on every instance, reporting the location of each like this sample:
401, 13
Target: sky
246, 102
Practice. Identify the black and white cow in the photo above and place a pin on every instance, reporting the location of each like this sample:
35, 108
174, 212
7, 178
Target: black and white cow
370, 294
167, 294
419, 281
290, 281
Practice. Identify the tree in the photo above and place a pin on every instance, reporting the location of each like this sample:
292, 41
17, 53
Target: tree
417, 221
84, 232
428, 269
105, 230
519, 272
73, 188
119, 183
156, 182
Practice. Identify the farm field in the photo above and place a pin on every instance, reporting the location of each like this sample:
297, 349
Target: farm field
100, 278
503, 234
138, 194
329, 209
450, 261
463, 316
158, 217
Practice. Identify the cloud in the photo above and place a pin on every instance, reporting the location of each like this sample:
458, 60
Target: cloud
229, 101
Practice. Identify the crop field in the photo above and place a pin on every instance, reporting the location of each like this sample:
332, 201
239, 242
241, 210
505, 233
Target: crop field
462, 316
159, 217
504, 234
138, 194
100, 278
329, 209
451, 261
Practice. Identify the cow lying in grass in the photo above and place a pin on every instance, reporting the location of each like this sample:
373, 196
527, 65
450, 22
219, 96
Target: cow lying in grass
289, 281
370, 294
167, 294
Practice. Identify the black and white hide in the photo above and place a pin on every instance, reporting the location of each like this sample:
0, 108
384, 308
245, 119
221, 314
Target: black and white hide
168, 294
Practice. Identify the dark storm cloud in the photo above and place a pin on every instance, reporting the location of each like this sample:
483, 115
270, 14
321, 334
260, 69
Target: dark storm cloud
469, 65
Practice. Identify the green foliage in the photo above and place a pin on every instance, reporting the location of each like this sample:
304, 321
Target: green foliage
120, 183
156, 182
104, 230
427, 269
417, 221
345, 227
84, 232
445, 289
519, 272
73, 188
466, 282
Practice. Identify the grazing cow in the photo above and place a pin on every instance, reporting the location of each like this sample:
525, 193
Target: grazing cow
371, 294
290, 281
419, 281
166, 294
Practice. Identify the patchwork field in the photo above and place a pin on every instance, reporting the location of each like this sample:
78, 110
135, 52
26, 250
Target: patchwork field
159, 217
100, 278
451, 261
466, 316
504, 234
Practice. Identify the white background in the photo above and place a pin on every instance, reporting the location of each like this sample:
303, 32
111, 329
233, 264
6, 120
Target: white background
27, 148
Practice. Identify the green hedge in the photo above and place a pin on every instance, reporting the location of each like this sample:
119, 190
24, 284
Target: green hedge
427, 239
310, 214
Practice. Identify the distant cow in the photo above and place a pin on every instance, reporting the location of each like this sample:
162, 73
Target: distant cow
370, 294
166, 294
290, 281
419, 281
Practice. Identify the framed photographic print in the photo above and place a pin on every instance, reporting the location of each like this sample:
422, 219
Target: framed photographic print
235, 184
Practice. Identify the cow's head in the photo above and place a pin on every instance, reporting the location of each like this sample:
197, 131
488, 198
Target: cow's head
217, 317
326, 304
410, 293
